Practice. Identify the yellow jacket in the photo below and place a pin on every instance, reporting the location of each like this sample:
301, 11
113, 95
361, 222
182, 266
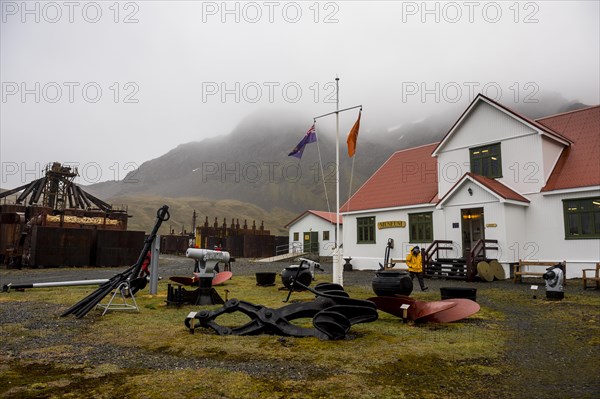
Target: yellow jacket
414, 263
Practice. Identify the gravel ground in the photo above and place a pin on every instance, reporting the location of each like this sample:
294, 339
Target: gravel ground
545, 356
171, 265
65, 330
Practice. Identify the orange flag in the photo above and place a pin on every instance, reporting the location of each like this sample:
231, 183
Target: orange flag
352, 136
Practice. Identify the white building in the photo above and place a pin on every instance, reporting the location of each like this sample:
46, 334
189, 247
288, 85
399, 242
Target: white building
534, 186
314, 231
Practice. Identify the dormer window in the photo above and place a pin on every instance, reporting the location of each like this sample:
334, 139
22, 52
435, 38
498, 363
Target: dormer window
486, 160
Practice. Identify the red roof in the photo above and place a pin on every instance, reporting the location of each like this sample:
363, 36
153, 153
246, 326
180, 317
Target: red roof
492, 185
328, 216
408, 177
579, 164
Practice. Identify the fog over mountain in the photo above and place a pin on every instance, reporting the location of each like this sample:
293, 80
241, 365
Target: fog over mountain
251, 164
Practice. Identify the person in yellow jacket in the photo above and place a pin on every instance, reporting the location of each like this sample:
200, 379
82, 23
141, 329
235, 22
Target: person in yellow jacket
414, 261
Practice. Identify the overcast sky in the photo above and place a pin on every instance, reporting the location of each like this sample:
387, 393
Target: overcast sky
109, 85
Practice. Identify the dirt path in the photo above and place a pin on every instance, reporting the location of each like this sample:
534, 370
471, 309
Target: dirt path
548, 357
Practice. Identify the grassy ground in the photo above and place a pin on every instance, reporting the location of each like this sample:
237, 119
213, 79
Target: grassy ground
152, 355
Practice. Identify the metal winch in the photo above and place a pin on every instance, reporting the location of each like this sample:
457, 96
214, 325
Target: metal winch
554, 282
206, 260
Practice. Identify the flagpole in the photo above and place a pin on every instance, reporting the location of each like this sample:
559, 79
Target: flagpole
338, 269
337, 272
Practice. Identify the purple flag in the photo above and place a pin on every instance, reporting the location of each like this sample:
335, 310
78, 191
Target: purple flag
309, 137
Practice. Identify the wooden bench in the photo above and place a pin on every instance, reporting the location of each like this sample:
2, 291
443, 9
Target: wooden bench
523, 268
595, 278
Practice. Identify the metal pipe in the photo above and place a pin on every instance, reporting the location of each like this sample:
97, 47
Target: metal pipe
9, 286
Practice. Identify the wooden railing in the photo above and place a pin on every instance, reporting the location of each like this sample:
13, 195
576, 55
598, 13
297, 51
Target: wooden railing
432, 250
478, 252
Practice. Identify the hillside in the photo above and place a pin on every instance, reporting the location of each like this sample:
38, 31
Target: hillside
143, 213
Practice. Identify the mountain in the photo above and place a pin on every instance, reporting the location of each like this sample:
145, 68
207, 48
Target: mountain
248, 173
251, 165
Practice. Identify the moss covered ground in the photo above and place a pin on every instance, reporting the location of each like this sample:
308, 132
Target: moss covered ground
514, 347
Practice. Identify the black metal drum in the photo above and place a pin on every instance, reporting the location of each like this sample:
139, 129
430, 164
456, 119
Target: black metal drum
289, 273
392, 282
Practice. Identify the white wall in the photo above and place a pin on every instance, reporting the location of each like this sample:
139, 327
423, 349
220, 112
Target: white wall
545, 234
535, 232
368, 256
550, 153
516, 244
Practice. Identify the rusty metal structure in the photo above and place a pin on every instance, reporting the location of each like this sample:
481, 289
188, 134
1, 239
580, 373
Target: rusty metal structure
57, 191
53, 222
241, 241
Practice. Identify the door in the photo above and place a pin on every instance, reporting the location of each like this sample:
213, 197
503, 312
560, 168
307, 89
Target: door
472, 228
311, 241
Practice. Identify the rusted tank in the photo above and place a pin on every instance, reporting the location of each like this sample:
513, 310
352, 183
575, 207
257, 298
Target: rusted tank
259, 246
12, 218
117, 248
56, 246
235, 246
174, 244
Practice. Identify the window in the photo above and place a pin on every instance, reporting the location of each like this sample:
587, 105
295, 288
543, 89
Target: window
296, 236
325, 236
582, 218
486, 161
365, 229
420, 227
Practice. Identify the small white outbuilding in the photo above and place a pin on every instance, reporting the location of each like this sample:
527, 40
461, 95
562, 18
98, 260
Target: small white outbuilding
313, 231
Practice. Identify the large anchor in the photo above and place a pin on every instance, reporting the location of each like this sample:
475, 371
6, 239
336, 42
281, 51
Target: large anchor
333, 312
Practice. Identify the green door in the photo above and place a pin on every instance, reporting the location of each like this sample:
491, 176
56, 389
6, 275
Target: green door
311, 241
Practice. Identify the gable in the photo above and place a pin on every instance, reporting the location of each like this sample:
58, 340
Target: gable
505, 122
483, 125
474, 189
461, 196
318, 217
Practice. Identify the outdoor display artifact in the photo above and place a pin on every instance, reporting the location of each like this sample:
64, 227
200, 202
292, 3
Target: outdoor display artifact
333, 312
303, 273
386, 257
445, 311
23, 286
553, 278
205, 277
130, 278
